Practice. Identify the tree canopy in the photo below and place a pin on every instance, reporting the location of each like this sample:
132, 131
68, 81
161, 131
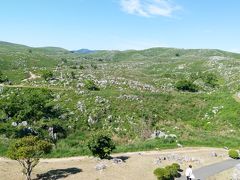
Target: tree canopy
27, 151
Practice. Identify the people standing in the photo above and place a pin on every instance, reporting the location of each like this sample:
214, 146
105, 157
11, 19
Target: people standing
189, 173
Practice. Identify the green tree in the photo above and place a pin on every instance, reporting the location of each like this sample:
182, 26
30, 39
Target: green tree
27, 151
101, 145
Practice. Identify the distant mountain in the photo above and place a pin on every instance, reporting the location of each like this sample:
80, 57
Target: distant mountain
85, 51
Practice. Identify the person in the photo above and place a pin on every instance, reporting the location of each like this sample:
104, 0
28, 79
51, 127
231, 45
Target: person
189, 173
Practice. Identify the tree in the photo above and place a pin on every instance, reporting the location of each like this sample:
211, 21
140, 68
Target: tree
101, 145
27, 151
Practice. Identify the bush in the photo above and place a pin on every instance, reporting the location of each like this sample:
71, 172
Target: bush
90, 85
233, 154
177, 54
168, 173
169, 140
210, 79
3, 78
162, 174
185, 85
47, 75
101, 145
172, 171
176, 166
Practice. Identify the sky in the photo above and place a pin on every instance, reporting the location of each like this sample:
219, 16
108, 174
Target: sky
122, 24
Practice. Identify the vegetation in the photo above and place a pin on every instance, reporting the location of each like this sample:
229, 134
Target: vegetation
185, 85
47, 75
27, 152
192, 94
233, 153
168, 173
30, 112
101, 145
90, 85
3, 78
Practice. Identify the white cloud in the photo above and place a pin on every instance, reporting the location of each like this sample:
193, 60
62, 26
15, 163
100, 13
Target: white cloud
148, 8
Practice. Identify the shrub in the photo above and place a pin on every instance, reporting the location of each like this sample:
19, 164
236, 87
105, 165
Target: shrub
35, 108
185, 85
73, 75
168, 173
101, 145
90, 85
172, 171
47, 75
233, 154
162, 174
169, 140
3, 78
81, 67
176, 166
94, 66
210, 79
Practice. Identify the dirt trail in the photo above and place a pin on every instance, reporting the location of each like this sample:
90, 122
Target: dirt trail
32, 77
36, 87
136, 166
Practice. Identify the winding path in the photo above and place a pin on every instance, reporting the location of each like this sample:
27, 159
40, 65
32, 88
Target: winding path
210, 170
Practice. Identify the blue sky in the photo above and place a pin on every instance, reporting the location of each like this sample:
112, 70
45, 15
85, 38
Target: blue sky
122, 24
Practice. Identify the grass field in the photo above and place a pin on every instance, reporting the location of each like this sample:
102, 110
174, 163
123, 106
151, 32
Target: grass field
137, 95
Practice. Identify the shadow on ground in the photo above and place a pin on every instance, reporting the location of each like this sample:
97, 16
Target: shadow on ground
123, 158
58, 173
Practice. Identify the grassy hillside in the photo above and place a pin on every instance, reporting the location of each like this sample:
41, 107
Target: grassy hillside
188, 93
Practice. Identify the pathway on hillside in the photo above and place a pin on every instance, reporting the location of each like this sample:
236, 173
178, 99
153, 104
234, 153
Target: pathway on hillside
207, 171
36, 87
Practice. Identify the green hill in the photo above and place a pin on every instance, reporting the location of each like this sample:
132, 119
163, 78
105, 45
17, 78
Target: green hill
191, 96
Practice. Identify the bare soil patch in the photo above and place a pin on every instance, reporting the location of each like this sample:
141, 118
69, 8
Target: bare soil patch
135, 166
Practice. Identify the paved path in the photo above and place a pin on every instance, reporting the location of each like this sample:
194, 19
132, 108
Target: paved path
210, 170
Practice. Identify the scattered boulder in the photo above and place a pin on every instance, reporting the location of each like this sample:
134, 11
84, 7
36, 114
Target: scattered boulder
158, 161
158, 134
1, 88
14, 124
179, 145
117, 161
226, 148
214, 154
100, 167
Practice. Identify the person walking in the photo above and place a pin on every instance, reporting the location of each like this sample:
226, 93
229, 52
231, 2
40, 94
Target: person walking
189, 173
